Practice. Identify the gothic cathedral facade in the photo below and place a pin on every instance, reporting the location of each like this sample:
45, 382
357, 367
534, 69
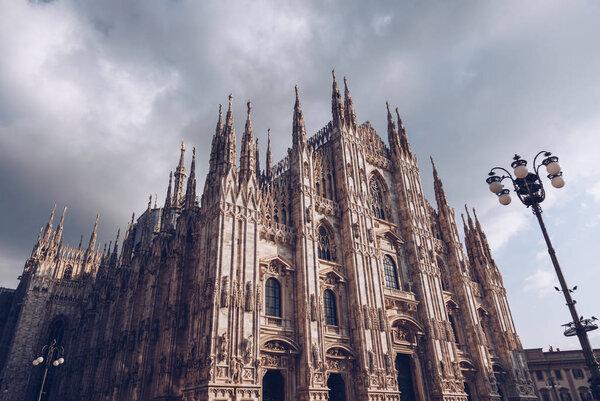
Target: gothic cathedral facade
326, 276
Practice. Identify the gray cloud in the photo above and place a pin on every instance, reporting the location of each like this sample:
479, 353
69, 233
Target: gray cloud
95, 96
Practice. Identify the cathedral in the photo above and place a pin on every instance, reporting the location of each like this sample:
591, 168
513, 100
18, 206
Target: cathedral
325, 276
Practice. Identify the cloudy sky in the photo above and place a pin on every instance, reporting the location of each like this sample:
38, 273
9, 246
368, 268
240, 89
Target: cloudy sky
95, 98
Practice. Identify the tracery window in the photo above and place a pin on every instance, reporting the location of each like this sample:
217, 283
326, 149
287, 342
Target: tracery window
68, 273
273, 298
330, 308
378, 205
390, 273
325, 248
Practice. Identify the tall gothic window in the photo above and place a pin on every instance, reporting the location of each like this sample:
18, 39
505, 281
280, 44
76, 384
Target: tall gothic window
378, 205
390, 273
68, 273
325, 248
330, 309
57, 331
273, 298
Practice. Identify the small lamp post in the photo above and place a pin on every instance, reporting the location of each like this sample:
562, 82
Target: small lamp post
51, 351
529, 188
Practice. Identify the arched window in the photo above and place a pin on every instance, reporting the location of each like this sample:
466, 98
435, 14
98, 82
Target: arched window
330, 309
378, 205
390, 272
325, 248
56, 331
68, 273
273, 298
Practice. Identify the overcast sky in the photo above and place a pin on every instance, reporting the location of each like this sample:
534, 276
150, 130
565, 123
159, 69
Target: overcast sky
95, 98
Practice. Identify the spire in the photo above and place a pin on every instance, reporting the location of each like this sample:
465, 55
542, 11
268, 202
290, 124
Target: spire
257, 158
190, 191
483, 237
248, 153
115, 252
168, 198
180, 175
94, 235
337, 109
228, 152
36, 247
393, 139
469, 218
440, 194
298, 127
216, 144
59, 230
80, 241
349, 106
404, 144
48, 230
269, 166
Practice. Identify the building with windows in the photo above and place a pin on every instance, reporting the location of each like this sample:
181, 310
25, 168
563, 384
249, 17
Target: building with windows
325, 276
560, 375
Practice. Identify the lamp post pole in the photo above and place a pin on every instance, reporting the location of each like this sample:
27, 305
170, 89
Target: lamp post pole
553, 384
51, 350
530, 190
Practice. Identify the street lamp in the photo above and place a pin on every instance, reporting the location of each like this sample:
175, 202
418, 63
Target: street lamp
51, 351
552, 384
530, 190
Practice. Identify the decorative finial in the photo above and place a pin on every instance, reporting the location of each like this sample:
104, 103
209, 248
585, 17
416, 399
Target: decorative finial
182, 145
230, 100
249, 104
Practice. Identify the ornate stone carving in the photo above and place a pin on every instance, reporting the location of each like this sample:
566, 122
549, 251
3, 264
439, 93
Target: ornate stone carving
249, 307
247, 345
223, 345
225, 292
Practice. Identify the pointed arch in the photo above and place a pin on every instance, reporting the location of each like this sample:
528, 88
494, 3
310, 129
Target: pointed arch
325, 241
379, 196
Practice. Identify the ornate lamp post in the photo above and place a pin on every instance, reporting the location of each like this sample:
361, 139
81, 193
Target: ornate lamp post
51, 351
530, 190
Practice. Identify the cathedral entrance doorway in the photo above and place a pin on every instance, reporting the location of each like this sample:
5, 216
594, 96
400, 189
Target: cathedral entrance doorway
273, 388
405, 380
337, 387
